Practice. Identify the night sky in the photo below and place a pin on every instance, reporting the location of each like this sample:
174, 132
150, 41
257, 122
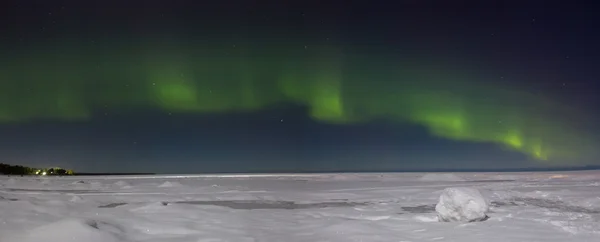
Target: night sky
298, 86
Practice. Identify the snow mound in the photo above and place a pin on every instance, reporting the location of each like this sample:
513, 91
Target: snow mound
68, 230
170, 184
440, 177
76, 199
462, 204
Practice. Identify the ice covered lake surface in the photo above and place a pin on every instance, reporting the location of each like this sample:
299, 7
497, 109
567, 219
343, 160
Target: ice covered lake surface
553, 206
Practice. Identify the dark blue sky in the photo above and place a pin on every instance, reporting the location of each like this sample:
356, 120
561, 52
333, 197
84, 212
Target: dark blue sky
537, 47
149, 142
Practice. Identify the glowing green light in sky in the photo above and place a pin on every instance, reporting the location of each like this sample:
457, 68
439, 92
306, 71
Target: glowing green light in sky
49, 84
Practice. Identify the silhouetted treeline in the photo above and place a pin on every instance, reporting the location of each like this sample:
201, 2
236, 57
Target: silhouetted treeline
58, 172
16, 170
7, 169
112, 174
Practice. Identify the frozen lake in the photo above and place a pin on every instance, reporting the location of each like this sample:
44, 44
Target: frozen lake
553, 206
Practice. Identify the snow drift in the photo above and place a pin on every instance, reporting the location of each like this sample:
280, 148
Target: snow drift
68, 230
462, 204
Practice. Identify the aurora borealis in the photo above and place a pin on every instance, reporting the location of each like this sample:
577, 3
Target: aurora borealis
71, 77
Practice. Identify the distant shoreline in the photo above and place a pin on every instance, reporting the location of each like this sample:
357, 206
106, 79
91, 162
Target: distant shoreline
558, 169
114, 174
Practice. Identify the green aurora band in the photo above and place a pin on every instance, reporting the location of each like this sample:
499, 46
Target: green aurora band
71, 83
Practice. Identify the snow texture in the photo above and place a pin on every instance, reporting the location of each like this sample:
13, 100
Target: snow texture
69, 230
170, 184
462, 204
440, 177
367, 207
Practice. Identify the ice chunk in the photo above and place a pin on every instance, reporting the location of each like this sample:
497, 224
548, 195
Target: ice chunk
462, 204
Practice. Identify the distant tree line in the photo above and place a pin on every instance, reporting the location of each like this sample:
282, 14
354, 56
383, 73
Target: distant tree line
7, 169
58, 172
16, 170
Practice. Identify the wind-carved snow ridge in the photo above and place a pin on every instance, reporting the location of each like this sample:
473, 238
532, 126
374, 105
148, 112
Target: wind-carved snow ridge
441, 177
462, 204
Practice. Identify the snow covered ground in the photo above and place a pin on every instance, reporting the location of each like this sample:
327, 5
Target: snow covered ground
304, 207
